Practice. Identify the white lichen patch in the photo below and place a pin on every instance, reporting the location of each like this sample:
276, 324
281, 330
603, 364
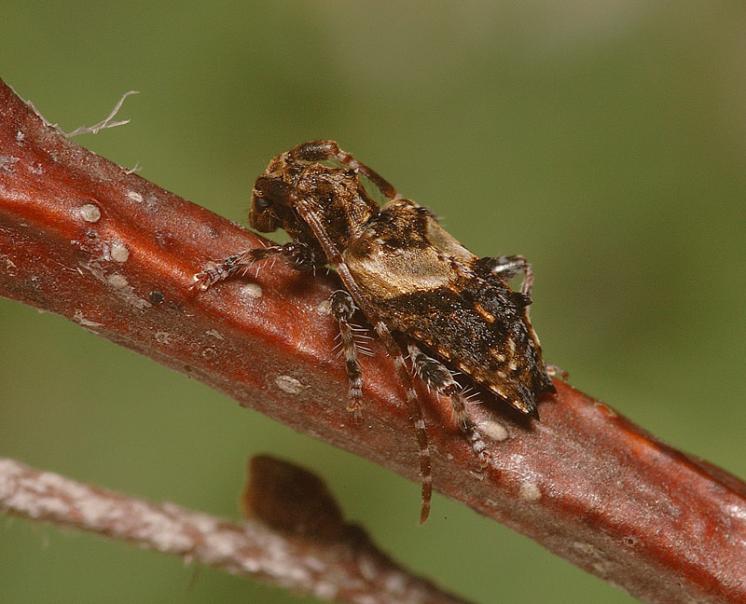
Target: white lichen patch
89, 212
251, 565
8, 264
368, 568
325, 591
315, 564
289, 384
163, 337
595, 557
117, 281
738, 512
166, 534
605, 409
125, 291
529, 491
7, 163
134, 196
251, 291
396, 582
586, 549
8, 472
119, 252
220, 546
324, 308
151, 201
494, 430
79, 318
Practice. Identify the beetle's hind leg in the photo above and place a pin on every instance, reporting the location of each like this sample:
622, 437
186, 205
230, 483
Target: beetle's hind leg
439, 378
324, 150
343, 307
300, 255
510, 266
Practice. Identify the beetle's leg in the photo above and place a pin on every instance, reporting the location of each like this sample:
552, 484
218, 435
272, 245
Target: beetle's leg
343, 308
437, 376
392, 347
324, 150
416, 416
510, 266
301, 256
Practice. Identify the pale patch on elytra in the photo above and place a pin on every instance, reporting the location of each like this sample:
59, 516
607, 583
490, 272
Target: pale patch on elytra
289, 384
215, 334
134, 196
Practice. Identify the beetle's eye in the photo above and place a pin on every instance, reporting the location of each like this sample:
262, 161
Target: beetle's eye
262, 203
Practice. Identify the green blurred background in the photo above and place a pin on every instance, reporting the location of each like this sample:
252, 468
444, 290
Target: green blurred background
603, 140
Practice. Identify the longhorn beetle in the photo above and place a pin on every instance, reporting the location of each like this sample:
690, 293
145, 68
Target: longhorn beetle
429, 299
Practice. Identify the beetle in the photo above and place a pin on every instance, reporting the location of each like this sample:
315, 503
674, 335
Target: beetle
430, 301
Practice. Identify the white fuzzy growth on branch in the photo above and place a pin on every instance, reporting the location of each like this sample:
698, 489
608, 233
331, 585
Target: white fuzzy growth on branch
107, 122
330, 571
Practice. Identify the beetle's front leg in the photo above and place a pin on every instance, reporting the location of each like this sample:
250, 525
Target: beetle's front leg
301, 256
343, 308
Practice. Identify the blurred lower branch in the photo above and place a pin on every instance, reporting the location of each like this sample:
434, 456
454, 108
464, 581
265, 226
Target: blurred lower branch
344, 566
87, 239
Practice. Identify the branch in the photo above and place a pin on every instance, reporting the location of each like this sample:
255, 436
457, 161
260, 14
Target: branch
335, 561
84, 238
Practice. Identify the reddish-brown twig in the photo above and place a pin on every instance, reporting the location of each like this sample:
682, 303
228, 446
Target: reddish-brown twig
82, 237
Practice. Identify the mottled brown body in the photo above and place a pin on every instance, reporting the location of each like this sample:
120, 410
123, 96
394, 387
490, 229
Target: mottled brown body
426, 285
418, 287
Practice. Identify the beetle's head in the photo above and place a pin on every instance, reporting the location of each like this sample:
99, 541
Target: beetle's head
271, 204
